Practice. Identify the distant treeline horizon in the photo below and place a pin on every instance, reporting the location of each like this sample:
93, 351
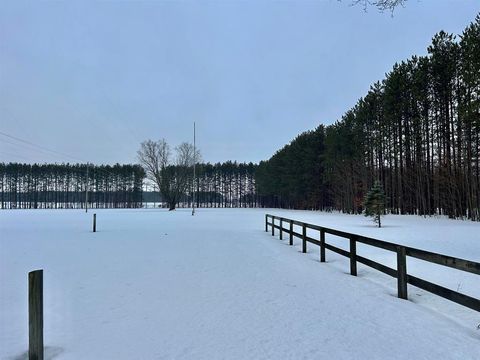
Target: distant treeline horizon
54, 186
64, 186
417, 132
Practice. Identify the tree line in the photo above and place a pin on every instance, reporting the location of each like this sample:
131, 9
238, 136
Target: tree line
417, 132
64, 186
228, 184
220, 185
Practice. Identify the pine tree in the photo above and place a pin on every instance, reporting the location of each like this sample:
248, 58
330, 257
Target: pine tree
374, 203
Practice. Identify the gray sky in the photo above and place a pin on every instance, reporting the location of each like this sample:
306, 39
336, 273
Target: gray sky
93, 80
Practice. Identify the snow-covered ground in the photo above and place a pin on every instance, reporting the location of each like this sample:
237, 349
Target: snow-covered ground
153, 284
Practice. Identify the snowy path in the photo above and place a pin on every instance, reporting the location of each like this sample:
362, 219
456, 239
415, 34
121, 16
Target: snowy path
159, 285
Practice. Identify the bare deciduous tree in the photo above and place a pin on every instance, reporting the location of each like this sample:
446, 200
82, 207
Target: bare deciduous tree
381, 5
172, 178
154, 156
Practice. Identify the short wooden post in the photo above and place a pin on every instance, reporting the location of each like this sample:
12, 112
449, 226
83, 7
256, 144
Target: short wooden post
266, 223
353, 256
402, 272
273, 225
35, 315
94, 222
304, 238
291, 232
322, 245
281, 228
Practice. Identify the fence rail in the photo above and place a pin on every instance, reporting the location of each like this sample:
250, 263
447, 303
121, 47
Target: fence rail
400, 273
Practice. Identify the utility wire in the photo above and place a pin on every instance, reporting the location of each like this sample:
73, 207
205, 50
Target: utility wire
27, 147
52, 151
40, 147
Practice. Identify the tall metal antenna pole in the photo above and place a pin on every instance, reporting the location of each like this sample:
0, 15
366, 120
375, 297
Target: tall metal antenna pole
194, 163
86, 192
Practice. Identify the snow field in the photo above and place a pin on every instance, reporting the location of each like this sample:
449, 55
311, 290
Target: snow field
153, 284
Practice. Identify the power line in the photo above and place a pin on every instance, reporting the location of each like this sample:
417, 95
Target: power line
52, 151
87, 118
26, 147
40, 146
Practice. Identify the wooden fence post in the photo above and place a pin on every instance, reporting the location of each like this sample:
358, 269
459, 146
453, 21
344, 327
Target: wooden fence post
353, 256
281, 228
304, 238
291, 233
266, 223
322, 245
94, 222
402, 272
35, 315
273, 225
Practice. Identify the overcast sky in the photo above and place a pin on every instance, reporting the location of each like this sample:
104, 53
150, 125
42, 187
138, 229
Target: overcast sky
93, 80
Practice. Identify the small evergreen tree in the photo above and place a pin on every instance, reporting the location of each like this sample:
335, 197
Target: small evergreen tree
374, 203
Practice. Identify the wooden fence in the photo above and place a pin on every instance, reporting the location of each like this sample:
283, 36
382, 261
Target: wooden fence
400, 273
